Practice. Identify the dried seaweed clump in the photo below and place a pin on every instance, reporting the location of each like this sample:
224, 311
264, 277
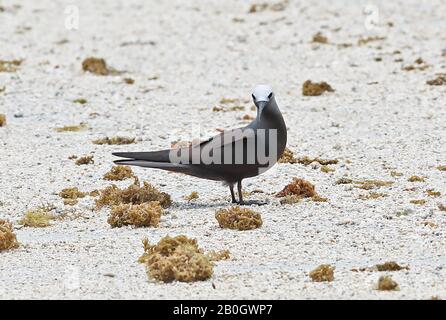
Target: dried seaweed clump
39, 217
372, 184
438, 81
324, 272
114, 141
229, 100
129, 80
390, 266
441, 206
231, 108
344, 181
234, 105
118, 173
430, 224
395, 174
218, 255
177, 144
433, 193
418, 202
70, 202
80, 101
8, 239
177, 258
327, 169
247, 117
71, 195
10, 65
139, 215
318, 198
416, 179
259, 7
324, 162
193, 195
373, 195
84, 160
299, 187
96, 66
134, 194
420, 64
320, 38
287, 157
442, 168
73, 128
290, 199
2, 120
238, 218
363, 41
386, 283
310, 88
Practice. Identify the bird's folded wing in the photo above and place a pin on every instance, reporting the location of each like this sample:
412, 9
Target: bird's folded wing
216, 144
227, 138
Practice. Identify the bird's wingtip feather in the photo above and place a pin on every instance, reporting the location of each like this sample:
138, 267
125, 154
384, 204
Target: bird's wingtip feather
121, 154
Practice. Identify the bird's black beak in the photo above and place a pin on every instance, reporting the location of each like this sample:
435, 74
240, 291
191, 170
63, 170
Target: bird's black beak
261, 105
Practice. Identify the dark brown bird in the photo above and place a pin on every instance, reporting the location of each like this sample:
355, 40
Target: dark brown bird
230, 156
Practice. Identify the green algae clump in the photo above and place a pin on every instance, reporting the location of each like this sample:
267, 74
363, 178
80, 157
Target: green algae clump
37, 218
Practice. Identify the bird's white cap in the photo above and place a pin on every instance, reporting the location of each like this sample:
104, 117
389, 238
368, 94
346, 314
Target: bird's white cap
262, 92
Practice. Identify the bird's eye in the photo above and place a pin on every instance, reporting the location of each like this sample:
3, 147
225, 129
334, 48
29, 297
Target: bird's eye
270, 95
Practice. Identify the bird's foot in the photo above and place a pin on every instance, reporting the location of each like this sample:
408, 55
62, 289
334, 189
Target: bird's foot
252, 202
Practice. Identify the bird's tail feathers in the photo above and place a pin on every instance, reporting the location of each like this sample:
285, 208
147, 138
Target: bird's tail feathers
153, 164
154, 156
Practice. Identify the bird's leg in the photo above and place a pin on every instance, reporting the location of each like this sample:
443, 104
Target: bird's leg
231, 187
240, 194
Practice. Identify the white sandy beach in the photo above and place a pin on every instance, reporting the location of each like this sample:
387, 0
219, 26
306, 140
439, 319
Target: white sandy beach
185, 56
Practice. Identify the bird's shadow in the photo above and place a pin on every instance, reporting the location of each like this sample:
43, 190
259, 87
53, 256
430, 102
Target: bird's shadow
191, 205
203, 205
